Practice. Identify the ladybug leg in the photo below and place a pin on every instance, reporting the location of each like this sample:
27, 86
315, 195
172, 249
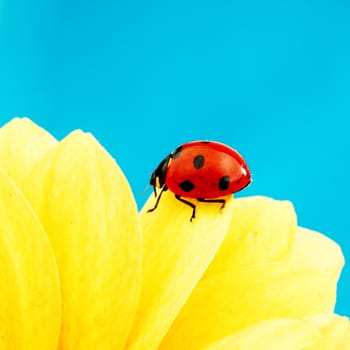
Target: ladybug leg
164, 188
189, 204
220, 200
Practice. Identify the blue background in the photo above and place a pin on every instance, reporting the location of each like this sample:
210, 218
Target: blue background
269, 78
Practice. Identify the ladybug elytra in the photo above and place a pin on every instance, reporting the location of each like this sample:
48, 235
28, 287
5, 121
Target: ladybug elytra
202, 170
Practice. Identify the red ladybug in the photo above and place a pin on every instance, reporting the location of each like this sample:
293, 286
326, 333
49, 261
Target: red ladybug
204, 170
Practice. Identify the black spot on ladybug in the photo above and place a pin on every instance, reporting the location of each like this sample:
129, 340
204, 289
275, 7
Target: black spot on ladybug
198, 161
205, 142
224, 183
187, 186
176, 153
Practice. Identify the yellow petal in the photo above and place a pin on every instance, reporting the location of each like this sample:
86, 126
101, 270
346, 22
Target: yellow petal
314, 250
335, 332
275, 334
30, 306
344, 344
319, 332
261, 230
176, 253
22, 144
87, 208
302, 284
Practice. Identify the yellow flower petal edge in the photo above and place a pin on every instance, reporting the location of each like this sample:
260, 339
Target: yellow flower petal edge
176, 253
22, 144
30, 307
317, 251
319, 332
262, 229
87, 209
304, 283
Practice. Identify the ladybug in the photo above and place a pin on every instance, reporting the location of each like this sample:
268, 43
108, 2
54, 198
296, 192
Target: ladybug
202, 170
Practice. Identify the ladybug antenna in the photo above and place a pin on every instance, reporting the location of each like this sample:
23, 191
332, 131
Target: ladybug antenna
145, 189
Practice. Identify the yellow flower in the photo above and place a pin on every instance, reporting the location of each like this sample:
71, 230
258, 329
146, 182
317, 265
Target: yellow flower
81, 269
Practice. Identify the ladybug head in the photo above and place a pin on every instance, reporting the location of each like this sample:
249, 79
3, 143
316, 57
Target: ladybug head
158, 175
